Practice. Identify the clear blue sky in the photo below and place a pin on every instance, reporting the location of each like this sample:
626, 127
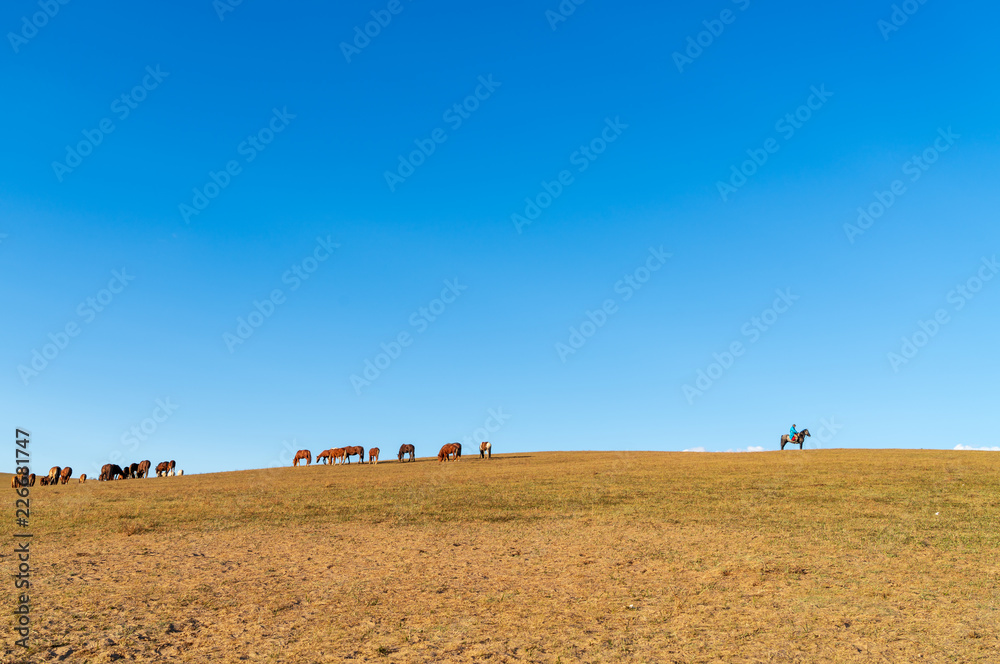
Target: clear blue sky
313, 132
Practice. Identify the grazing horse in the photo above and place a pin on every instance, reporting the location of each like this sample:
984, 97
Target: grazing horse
351, 451
302, 454
64, 476
126, 471
448, 450
485, 451
31, 479
801, 438
44, 481
337, 453
143, 468
133, 470
54, 474
324, 456
83, 477
116, 472
162, 468
15, 481
373, 455
407, 449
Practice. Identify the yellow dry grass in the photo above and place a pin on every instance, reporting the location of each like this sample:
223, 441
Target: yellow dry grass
814, 556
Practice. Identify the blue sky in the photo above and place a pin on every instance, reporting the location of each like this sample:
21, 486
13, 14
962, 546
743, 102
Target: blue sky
380, 191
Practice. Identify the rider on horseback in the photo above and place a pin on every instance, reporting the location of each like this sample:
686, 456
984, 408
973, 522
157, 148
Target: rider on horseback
793, 434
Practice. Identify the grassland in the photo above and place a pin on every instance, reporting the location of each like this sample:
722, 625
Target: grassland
814, 556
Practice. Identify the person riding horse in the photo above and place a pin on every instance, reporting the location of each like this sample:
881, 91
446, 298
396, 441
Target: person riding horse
793, 435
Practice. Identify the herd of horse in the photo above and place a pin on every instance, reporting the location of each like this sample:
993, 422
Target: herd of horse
450, 452
57, 475
110, 471
139, 470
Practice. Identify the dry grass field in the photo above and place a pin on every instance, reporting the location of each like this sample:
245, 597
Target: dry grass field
814, 556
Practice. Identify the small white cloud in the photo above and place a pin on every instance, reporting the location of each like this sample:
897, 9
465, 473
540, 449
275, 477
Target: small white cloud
695, 449
977, 449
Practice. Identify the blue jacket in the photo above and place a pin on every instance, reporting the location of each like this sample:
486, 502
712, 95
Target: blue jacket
793, 432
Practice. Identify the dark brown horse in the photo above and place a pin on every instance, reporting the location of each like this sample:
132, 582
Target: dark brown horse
144, 468
351, 451
133, 470
31, 479
44, 481
407, 449
64, 476
302, 454
485, 451
801, 438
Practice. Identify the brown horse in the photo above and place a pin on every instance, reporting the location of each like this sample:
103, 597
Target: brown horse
351, 451
407, 449
54, 475
31, 479
44, 480
485, 451
162, 469
144, 468
337, 453
302, 454
801, 438
373, 455
324, 456
133, 470
448, 450
83, 477
64, 476
15, 481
